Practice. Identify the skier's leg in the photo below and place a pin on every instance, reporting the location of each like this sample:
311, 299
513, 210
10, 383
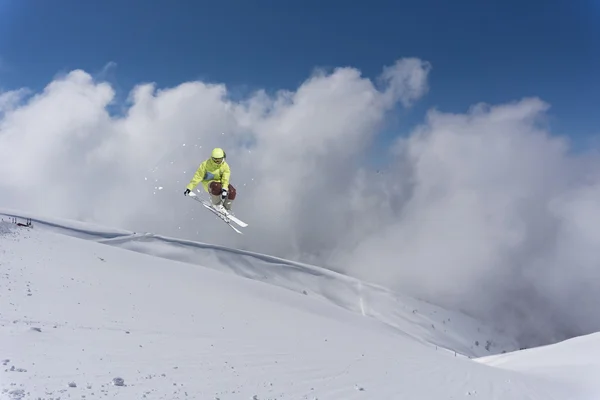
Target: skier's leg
230, 197
215, 193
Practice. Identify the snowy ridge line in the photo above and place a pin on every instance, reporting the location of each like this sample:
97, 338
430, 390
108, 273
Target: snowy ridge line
118, 236
424, 322
109, 235
313, 269
82, 228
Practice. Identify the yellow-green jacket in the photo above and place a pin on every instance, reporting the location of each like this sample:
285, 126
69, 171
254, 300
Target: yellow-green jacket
210, 171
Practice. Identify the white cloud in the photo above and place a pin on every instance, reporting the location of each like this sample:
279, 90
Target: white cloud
11, 99
482, 211
407, 80
494, 216
283, 150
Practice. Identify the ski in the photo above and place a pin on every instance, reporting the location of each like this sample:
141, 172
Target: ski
236, 220
227, 214
224, 216
221, 216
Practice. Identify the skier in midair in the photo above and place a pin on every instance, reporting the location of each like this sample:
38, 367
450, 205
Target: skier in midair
214, 174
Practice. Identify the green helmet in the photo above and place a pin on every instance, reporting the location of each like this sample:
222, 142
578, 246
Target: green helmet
217, 153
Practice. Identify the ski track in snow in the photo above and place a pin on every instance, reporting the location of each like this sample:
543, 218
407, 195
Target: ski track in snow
173, 319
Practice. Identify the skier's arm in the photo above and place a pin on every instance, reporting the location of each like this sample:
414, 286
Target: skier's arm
198, 176
225, 177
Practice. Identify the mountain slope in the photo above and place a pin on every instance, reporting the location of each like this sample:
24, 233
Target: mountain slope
430, 324
573, 362
75, 311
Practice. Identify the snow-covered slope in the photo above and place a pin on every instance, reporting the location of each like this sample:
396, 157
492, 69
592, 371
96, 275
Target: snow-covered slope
417, 319
79, 310
574, 362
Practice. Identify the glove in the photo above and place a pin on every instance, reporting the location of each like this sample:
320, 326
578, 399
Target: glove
223, 194
187, 191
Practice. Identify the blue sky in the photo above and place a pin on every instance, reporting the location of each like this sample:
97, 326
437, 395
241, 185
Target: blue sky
480, 51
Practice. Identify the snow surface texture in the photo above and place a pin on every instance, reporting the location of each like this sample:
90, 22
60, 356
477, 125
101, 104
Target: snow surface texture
83, 315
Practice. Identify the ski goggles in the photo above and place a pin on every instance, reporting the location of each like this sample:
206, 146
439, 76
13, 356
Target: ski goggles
217, 160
